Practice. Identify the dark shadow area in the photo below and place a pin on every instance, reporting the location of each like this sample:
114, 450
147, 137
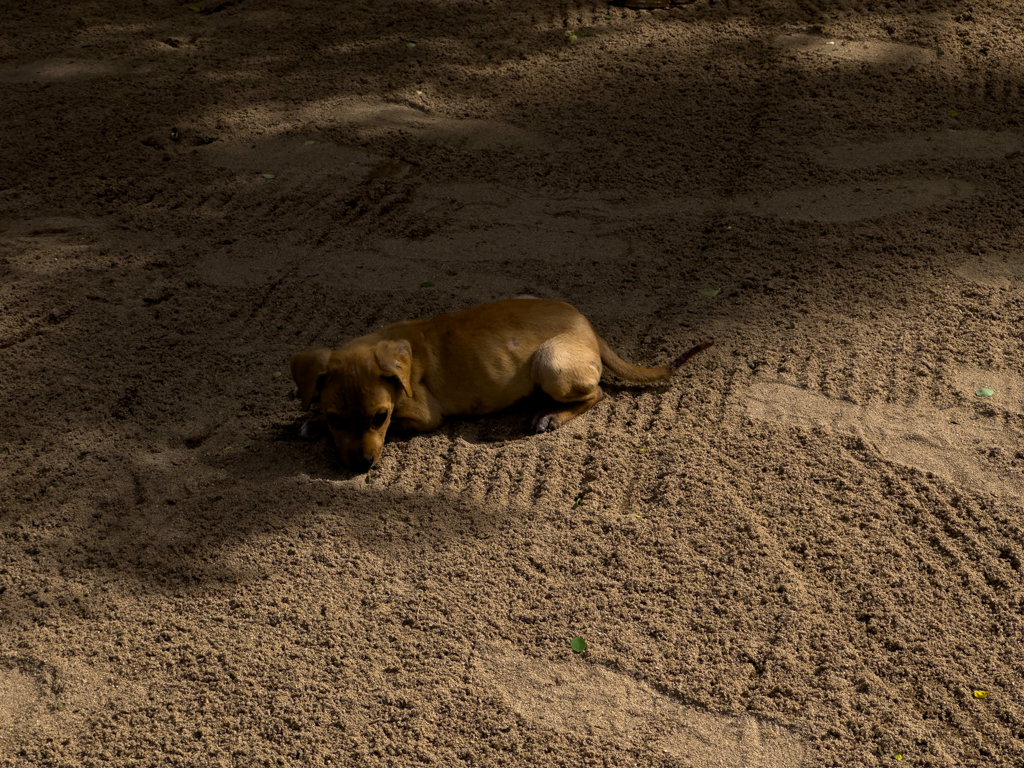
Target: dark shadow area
193, 87
167, 538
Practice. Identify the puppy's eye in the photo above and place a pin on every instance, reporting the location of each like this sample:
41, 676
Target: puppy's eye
334, 421
379, 418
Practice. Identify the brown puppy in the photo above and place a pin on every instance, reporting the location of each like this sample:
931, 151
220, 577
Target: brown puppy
481, 360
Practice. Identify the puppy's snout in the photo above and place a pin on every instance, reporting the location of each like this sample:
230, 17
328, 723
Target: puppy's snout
361, 461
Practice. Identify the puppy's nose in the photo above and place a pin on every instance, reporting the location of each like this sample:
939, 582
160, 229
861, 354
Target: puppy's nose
362, 462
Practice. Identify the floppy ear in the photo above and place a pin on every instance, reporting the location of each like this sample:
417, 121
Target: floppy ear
395, 359
309, 369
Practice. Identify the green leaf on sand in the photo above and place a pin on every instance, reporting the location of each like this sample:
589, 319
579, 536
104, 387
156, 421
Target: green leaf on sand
426, 285
268, 175
578, 645
984, 392
711, 292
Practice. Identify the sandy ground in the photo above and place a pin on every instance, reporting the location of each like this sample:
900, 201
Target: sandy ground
804, 551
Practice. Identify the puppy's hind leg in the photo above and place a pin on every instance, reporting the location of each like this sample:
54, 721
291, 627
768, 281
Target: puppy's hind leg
568, 368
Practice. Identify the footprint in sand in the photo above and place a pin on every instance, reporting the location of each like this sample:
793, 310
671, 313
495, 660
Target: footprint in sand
56, 70
866, 200
945, 443
973, 146
869, 200
20, 695
44, 699
1003, 271
880, 53
590, 700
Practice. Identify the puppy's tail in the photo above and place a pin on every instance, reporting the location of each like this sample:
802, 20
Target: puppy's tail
631, 372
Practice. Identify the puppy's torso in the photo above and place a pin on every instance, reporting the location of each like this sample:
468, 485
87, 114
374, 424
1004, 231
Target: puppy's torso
480, 360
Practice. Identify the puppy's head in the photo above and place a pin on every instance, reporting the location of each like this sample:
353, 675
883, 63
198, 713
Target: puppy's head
358, 386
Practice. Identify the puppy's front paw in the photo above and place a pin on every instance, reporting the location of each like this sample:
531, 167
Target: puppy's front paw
313, 429
544, 422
